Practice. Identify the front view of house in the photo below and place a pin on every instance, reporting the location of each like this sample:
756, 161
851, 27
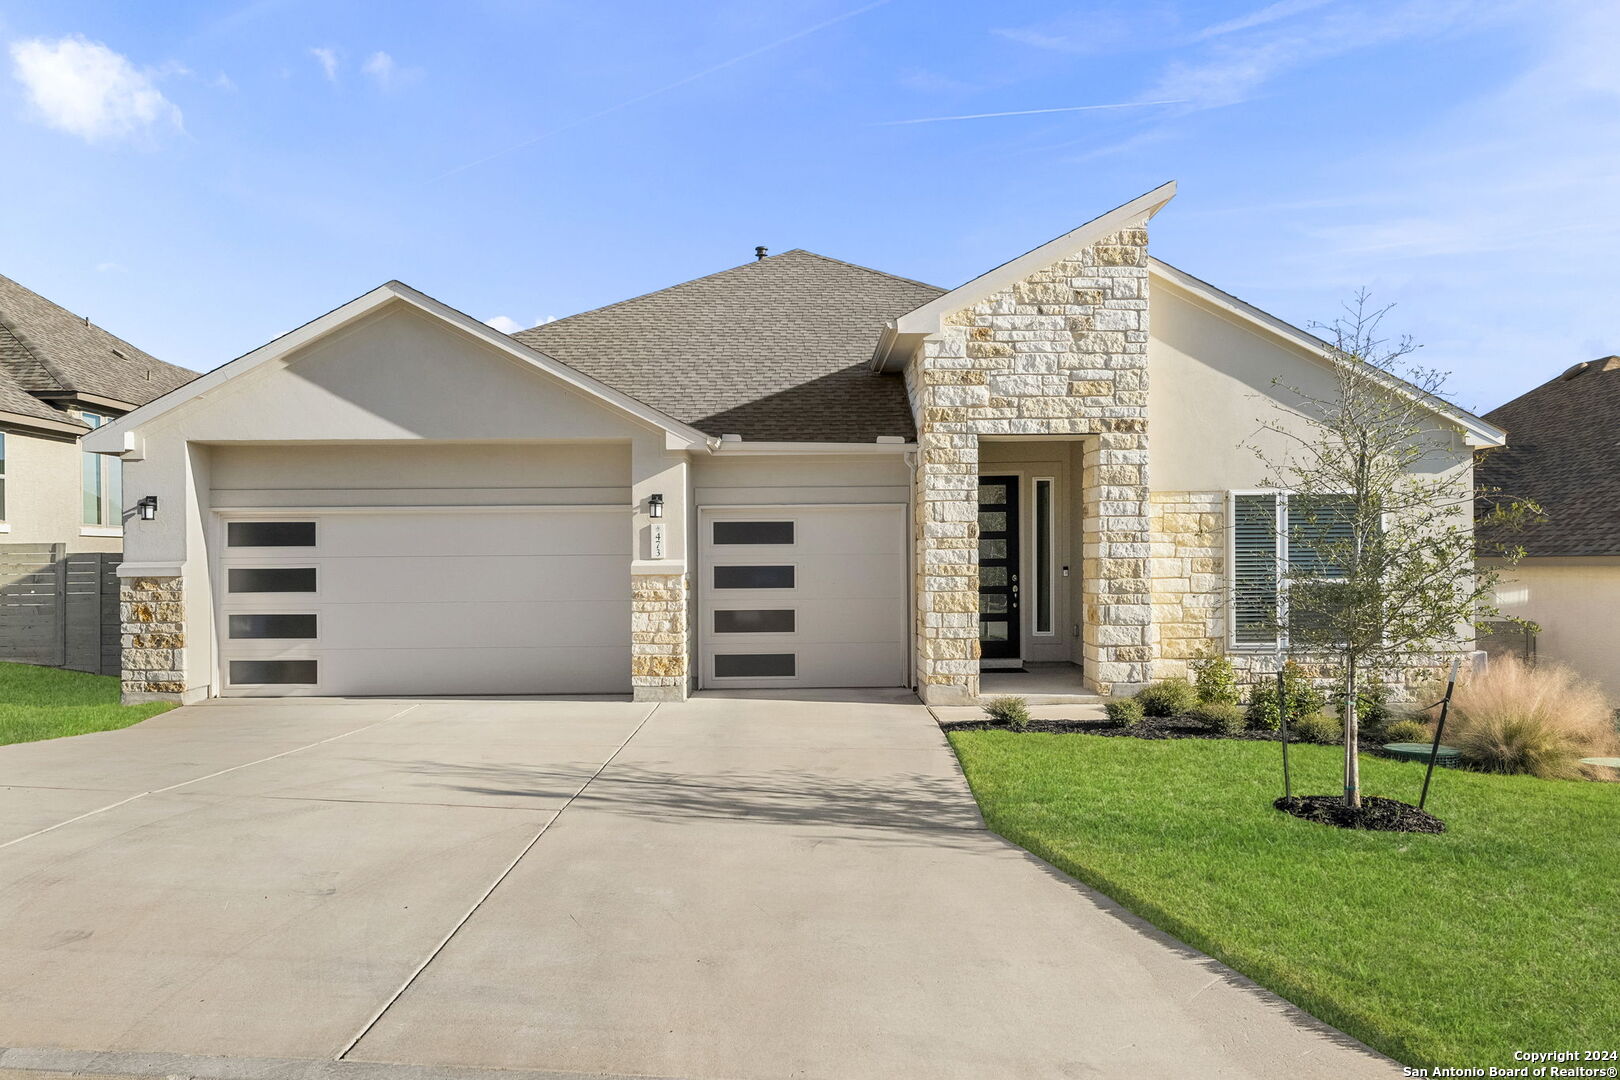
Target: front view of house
794, 473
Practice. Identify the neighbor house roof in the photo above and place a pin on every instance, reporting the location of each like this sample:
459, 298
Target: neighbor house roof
47, 351
1563, 453
776, 350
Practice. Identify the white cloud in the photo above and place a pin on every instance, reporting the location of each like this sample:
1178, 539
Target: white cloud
380, 66
1268, 14
84, 88
328, 59
110, 268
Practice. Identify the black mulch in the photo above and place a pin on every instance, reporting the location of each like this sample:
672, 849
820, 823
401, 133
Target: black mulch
1152, 727
1382, 815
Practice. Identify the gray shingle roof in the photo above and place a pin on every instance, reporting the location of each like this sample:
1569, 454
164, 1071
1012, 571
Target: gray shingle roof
777, 349
44, 348
1563, 452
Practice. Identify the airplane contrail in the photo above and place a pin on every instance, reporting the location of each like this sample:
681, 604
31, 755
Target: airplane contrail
1030, 112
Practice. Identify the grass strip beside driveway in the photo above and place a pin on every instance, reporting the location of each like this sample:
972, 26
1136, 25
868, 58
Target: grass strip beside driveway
1449, 950
48, 703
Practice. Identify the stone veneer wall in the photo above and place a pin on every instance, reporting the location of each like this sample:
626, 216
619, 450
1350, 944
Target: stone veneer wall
151, 614
1190, 601
1063, 352
658, 637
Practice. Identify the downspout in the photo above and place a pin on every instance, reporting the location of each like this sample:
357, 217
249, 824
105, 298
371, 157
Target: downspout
911, 569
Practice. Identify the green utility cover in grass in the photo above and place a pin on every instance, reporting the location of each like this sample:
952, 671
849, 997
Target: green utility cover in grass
1419, 751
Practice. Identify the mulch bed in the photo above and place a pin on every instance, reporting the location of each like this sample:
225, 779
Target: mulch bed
1374, 813
1152, 727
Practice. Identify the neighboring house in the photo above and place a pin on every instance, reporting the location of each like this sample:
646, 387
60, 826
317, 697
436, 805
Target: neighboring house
60, 377
793, 473
1563, 453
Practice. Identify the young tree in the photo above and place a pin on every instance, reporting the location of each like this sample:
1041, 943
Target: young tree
1379, 542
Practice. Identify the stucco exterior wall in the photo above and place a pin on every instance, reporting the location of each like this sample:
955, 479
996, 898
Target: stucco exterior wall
1577, 604
44, 493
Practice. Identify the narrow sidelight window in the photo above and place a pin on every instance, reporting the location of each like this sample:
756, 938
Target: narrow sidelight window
753, 577
270, 534
1045, 584
753, 532
755, 665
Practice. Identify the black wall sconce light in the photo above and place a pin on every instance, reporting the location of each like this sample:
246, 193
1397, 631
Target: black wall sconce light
147, 507
655, 506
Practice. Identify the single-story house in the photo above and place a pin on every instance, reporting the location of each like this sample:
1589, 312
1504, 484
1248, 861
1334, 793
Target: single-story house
794, 473
62, 376
1564, 454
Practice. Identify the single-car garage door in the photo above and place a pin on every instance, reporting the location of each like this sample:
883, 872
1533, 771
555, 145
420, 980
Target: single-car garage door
403, 602
802, 596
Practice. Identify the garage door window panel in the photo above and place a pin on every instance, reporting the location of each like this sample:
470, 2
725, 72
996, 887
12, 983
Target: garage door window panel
755, 665
274, 672
270, 534
755, 621
779, 576
271, 579
272, 627
753, 533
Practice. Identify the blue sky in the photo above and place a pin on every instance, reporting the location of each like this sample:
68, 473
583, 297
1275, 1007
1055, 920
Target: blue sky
200, 177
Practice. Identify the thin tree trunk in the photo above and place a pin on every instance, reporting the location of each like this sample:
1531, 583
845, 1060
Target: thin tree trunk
1352, 756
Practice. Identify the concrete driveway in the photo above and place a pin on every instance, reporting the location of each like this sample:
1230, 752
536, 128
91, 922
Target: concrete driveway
727, 888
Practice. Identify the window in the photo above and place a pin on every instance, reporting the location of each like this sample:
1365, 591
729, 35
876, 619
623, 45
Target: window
1044, 580
103, 481
261, 579
753, 532
1273, 535
272, 671
755, 665
270, 534
272, 626
753, 577
755, 622
2, 476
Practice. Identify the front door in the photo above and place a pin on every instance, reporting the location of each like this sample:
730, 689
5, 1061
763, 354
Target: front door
998, 568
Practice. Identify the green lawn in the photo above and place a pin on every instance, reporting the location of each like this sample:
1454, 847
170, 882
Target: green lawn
1502, 934
46, 703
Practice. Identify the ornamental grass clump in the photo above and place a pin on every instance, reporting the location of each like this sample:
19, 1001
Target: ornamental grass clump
1317, 727
1407, 730
1012, 711
1512, 718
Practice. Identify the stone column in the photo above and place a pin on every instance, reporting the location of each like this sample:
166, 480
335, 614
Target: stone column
947, 526
1117, 625
658, 637
152, 618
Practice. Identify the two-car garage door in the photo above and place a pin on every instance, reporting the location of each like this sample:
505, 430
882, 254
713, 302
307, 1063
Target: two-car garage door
474, 601
487, 600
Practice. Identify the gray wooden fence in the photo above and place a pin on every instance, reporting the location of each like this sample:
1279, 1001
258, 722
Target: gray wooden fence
59, 609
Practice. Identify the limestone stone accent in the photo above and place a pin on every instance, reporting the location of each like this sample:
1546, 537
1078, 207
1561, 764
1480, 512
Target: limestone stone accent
659, 644
151, 615
1187, 567
1062, 352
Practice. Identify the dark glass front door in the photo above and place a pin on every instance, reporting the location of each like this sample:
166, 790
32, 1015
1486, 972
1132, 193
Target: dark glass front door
998, 567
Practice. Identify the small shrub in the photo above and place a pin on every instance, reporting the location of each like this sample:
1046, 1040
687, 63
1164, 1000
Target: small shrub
1012, 711
1171, 697
1407, 730
1540, 720
1215, 679
1126, 712
1317, 727
1222, 717
1303, 699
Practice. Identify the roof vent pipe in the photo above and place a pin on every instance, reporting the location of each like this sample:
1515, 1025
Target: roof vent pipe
760, 252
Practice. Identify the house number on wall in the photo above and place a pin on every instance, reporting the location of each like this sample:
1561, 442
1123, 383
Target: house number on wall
657, 538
